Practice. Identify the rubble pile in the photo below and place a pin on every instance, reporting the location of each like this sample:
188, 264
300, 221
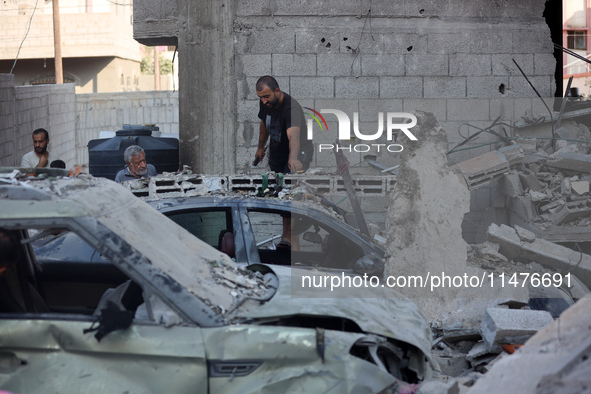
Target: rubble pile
545, 182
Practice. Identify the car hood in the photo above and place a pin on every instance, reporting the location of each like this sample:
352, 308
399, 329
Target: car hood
380, 311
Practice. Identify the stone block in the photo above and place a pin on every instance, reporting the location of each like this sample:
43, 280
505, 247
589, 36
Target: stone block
362, 87
404, 87
530, 181
293, 65
338, 65
532, 41
265, 41
255, 65
312, 87
382, 65
452, 365
486, 86
511, 326
570, 161
468, 110
511, 184
317, 41
427, 65
580, 187
490, 41
470, 65
449, 43
502, 64
444, 87
483, 169
519, 87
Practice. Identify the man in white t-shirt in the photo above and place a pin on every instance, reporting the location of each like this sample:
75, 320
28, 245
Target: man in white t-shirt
40, 156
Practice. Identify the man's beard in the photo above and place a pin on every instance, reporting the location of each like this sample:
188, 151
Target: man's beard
41, 149
141, 172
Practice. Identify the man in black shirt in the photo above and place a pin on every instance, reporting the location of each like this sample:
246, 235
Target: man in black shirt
282, 119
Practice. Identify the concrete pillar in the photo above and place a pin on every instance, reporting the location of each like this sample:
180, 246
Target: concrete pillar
207, 93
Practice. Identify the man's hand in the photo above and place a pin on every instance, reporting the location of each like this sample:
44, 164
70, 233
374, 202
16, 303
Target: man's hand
43, 159
258, 156
295, 165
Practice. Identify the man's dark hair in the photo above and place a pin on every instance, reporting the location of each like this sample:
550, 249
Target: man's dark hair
39, 131
10, 247
269, 81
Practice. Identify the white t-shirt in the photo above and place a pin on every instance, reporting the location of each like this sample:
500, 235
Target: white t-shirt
30, 160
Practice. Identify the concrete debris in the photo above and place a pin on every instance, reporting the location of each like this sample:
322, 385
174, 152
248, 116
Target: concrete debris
546, 253
511, 326
555, 359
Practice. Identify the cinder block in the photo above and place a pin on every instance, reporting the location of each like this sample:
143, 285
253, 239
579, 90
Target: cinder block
444, 87
265, 41
293, 65
382, 65
467, 110
487, 87
317, 41
435, 106
511, 326
533, 41
401, 87
411, 43
502, 64
362, 87
449, 43
470, 64
426, 65
491, 41
312, 87
336, 65
255, 65
544, 64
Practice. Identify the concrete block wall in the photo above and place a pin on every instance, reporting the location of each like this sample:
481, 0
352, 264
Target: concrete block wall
98, 112
73, 120
8, 154
51, 107
453, 58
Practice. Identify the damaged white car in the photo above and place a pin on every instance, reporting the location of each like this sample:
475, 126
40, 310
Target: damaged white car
172, 314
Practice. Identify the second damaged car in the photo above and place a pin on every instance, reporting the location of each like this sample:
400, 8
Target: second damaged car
169, 313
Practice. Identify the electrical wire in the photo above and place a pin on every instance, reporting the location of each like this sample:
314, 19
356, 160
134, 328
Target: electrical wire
25, 37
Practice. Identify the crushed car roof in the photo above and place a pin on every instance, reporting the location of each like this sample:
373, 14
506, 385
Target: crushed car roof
89, 203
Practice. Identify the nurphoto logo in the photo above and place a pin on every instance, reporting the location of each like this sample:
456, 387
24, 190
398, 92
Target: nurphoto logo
395, 121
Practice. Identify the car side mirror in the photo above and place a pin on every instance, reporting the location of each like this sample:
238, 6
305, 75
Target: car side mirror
370, 264
314, 238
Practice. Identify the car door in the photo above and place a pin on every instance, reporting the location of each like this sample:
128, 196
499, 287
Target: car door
51, 354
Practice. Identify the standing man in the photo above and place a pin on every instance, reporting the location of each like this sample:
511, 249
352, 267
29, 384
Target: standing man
40, 156
136, 168
282, 119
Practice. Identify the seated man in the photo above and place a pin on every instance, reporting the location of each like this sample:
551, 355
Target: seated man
136, 168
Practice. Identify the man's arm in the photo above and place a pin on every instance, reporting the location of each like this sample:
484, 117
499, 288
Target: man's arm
263, 137
43, 160
293, 135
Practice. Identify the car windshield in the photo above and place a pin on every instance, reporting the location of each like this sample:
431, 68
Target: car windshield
137, 235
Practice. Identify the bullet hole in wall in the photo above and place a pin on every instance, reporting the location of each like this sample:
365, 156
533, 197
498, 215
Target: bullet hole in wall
323, 40
421, 11
502, 88
409, 48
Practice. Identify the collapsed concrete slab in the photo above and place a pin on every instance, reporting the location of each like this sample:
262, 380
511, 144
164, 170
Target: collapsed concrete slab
511, 326
572, 161
554, 359
546, 253
483, 169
